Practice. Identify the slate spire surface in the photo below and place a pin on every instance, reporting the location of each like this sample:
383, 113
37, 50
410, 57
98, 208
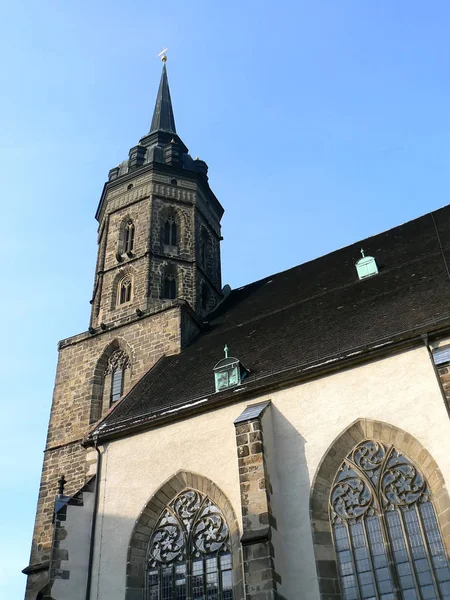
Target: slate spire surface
163, 119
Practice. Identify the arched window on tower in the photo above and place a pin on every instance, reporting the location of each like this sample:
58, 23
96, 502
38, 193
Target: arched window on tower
169, 286
189, 551
117, 364
129, 237
386, 534
170, 231
126, 238
124, 290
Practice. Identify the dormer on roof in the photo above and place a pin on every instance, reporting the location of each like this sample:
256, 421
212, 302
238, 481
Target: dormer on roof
366, 266
228, 372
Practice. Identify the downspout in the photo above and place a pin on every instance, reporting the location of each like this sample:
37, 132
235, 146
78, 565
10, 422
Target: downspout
436, 372
94, 520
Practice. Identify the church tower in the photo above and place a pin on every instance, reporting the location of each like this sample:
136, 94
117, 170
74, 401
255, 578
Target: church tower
159, 228
156, 278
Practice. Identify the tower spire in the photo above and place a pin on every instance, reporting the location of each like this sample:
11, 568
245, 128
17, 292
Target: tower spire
163, 119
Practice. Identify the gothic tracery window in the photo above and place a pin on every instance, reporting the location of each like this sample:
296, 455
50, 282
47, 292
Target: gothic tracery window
124, 290
386, 534
129, 237
189, 552
170, 231
117, 364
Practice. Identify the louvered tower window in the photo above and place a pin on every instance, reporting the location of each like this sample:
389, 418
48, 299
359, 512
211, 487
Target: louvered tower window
386, 534
169, 287
189, 552
170, 231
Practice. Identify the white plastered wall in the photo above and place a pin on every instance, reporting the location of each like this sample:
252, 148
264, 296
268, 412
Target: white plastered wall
401, 390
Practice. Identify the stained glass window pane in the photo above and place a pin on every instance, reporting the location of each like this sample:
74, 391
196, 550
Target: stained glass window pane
180, 582
362, 561
153, 585
400, 554
212, 579
347, 571
436, 547
198, 584
379, 556
116, 384
166, 583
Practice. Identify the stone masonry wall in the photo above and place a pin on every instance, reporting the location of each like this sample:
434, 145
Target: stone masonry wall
137, 266
260, 576
146, 340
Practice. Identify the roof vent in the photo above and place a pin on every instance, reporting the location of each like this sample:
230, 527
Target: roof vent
228, 372
366, 266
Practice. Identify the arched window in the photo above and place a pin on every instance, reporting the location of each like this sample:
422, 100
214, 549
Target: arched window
386, 534
189, 552
170, 231
129, 237
124, 290
169, 286
117, 363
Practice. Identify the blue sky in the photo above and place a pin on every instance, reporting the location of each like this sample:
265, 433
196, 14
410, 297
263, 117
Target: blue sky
322, 123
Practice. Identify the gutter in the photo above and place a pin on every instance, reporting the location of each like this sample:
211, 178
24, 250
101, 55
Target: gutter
94, 520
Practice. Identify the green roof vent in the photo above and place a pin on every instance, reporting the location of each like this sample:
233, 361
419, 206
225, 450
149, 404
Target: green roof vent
366, 266
228, 372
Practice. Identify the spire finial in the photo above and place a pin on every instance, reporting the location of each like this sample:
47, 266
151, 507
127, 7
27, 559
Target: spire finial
226, 350
362, 253
163, 55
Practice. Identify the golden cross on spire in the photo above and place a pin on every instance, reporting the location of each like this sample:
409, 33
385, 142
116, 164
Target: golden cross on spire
163, 55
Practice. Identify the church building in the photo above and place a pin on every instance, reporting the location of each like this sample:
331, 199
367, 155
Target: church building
287, 440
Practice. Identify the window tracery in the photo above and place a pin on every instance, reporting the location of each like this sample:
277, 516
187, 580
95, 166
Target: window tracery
385, 530
124, 290
117, 363
189, 551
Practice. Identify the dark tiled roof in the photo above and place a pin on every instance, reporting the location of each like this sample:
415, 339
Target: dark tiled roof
309, 315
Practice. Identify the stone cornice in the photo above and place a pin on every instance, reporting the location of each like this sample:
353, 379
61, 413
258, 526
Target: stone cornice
168, 170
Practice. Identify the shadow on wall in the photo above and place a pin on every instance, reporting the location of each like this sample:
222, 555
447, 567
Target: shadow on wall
294, 557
